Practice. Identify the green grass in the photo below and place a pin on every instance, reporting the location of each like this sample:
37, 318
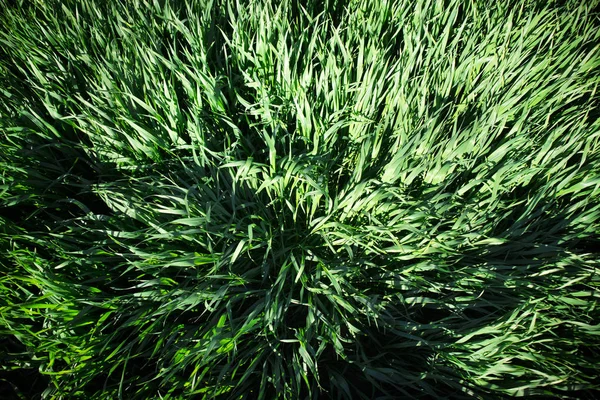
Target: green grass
240, 199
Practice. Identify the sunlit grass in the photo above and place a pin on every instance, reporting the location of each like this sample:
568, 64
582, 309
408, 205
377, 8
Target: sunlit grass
258, 199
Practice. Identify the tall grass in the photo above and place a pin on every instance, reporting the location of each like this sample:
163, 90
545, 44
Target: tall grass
264, 199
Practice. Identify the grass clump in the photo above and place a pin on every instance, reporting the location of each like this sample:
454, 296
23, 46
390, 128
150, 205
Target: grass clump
262, 199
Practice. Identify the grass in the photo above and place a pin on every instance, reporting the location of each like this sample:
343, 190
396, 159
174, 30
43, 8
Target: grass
261, 199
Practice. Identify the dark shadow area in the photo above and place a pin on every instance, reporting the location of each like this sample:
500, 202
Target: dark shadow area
22, 383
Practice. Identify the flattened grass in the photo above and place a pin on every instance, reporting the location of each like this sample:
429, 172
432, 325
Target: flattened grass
239, 200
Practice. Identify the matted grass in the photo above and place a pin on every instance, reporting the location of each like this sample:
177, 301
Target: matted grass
261, 199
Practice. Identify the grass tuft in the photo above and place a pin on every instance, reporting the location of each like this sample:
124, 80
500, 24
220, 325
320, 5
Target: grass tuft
223, 199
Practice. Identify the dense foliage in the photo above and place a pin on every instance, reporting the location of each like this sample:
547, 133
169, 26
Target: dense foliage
246, 199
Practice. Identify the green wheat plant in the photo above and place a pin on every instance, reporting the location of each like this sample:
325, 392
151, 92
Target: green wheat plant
261, 199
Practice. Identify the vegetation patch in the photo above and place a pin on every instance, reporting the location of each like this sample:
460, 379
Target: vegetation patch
261, 199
